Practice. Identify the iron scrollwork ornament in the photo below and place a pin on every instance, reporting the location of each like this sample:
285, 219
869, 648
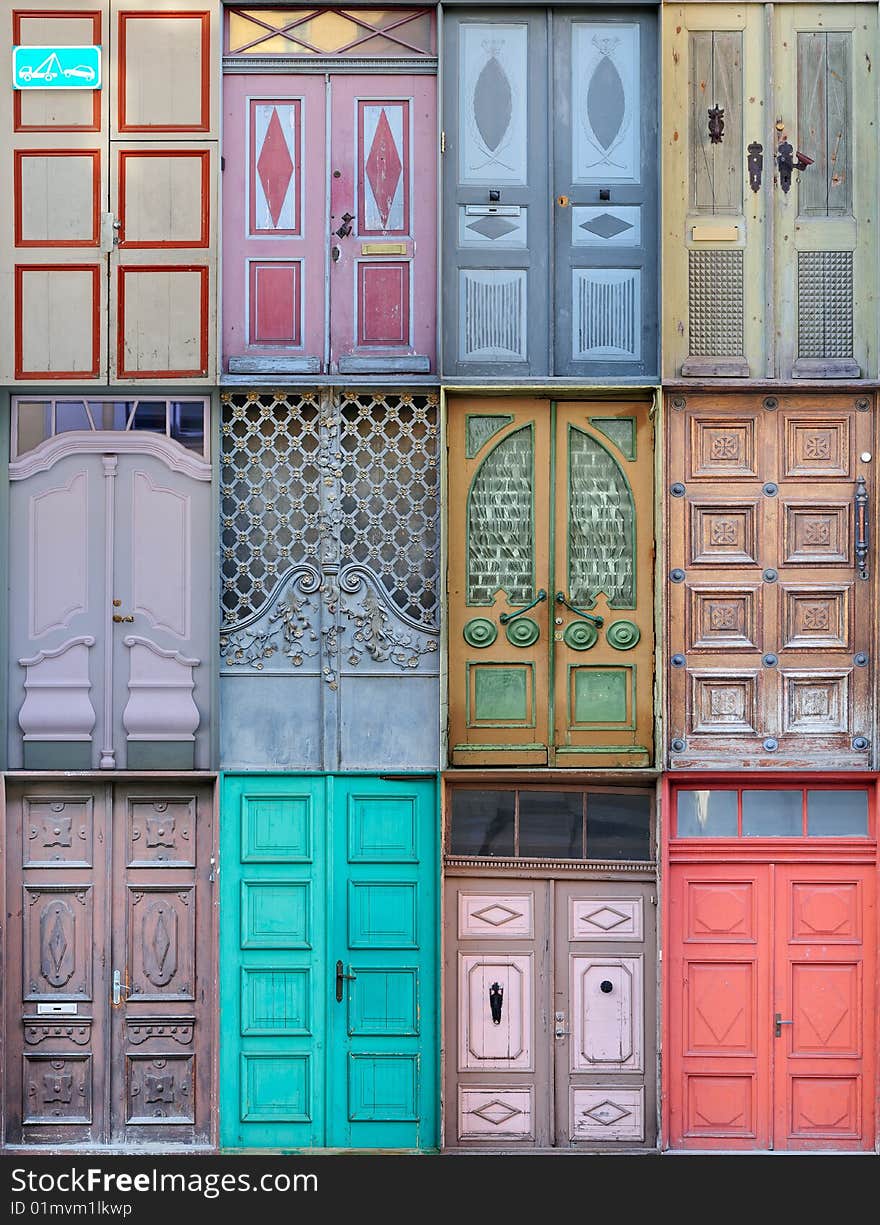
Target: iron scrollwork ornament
716, 124
496, 999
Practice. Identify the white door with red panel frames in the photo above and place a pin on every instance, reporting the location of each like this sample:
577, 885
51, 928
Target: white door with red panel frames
108, 236
329, 224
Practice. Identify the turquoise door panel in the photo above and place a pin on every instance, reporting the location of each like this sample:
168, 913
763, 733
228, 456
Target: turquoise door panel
329, 954
383, 1032
272, 953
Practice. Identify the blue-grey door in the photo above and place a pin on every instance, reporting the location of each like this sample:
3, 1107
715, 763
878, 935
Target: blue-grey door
550, 193
606, 150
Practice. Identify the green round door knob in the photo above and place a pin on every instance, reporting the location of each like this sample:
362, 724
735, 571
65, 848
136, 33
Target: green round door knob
480, 632
623, 635
523, 632
580, 635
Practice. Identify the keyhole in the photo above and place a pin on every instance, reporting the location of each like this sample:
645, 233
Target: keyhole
337, 174
606, 986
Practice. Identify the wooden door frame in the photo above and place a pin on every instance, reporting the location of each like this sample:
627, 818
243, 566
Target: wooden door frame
207, 778
452, 867
739, 851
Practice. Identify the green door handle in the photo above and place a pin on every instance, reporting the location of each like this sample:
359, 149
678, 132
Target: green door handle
579, 612
505, 618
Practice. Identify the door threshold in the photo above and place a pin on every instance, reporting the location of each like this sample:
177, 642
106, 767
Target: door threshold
550, 1152
110, 1150
767, 1152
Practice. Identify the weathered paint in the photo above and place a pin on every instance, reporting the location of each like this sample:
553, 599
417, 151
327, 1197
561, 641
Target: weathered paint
764, 281
106, 879
770, 620
321, 872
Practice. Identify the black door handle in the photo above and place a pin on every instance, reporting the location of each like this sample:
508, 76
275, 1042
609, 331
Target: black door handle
345, 229
340, 978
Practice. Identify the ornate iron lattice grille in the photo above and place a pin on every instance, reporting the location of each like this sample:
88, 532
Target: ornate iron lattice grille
329, 480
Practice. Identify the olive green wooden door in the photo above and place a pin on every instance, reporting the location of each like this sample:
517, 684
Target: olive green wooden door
550, 601
770, 174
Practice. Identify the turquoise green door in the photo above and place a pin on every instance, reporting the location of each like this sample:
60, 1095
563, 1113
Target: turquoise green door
329, 951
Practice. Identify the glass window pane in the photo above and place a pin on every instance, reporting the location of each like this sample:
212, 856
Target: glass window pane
773, 814
34, 424
836, 814
706, 814
551, 824
482, 823
618, 826
70, 415
111, 414
188, 425
150, 416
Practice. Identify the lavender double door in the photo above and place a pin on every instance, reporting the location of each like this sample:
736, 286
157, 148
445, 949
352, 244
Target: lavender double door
329, 224
108, 962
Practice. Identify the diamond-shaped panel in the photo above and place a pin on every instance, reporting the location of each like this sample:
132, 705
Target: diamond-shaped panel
606, 1112
275, 167
492, 227
497, 915
607, 918
606, 225
496, 1112
383, 167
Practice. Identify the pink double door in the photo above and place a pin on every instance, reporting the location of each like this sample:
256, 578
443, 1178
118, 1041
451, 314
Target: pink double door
329, 224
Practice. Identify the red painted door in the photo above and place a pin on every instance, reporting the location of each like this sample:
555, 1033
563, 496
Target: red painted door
771, 1006
329, 224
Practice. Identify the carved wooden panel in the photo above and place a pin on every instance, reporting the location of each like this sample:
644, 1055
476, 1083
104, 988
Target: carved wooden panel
57, 1089
161, 831
611, 1113
483, 1041
607, 1011
722, 1007
724, 910
57, 831
495, 916
496, 1113
161, 923
160, 1088
606, 918
830, 912
57, 942
770, 616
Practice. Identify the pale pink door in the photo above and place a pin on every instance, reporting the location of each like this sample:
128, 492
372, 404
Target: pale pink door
329, 251
274, 224
382, 220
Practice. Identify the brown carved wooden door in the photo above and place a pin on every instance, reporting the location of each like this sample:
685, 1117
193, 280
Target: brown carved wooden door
109, 1036
550, 582
770, 592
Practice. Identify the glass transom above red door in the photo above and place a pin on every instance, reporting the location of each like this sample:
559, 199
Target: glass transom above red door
330, 262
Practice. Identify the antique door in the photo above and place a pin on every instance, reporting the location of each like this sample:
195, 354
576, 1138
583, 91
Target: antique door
772, 183
550, 578
582, 83
108, 244
770, 979
329, 928
770, 586
340, 280
108, 887
110, 623
550, 973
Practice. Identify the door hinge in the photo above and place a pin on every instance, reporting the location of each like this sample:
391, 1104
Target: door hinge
222, 164
214, 869
442, 142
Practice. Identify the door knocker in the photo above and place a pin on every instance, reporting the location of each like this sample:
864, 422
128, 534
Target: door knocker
496, 998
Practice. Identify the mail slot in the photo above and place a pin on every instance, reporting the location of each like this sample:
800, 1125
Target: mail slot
56, 1010
383, 248
492, 210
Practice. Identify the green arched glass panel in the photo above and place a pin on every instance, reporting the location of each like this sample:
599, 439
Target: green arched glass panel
601, 526
500, 523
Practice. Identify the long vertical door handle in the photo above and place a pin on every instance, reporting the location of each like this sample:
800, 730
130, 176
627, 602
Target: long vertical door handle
860, 501
341, 976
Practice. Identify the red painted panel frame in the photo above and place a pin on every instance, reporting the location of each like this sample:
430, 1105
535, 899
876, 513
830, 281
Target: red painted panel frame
17, 16
406, 166
95, 155
294, 332
140, 14
94, 372
370, 334
121, 370
205, 187
755, 850
297, 104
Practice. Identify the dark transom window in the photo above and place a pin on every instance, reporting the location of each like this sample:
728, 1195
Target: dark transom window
537, 823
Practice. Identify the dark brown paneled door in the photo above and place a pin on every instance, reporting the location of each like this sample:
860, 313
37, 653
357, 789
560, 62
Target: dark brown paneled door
770, 580
110, 964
